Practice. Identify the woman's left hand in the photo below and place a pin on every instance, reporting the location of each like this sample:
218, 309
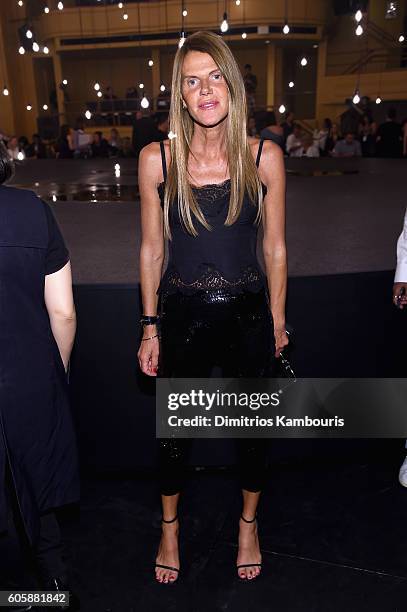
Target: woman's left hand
281, 339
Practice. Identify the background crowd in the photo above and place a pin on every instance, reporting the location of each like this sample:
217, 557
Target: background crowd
355, 133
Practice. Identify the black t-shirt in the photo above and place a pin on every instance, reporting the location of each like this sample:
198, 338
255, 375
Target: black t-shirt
57, 255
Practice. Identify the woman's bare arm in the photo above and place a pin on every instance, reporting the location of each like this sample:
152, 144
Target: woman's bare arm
272, 173
61, 310
151, 250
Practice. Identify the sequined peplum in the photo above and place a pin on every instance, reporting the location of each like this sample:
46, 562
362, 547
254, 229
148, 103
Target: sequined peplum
221, 258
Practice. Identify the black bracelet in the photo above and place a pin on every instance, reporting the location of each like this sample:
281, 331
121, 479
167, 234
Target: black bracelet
147, 320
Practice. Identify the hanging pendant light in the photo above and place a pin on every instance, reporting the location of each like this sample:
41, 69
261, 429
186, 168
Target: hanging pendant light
224, 26
144, 102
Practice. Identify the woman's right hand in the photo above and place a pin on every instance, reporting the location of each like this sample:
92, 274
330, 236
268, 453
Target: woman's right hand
149, 351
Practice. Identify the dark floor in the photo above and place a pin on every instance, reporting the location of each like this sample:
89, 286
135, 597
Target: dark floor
332, 537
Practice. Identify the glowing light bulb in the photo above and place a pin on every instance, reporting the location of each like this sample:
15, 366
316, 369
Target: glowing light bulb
141, 85
46, 10
184, 13
60, 6
304, 61
237, 2
45, 106
401, 38
356, 98
224, 26
378, 100
125, 16
358, 15
150, 63
5, 91
291, 84
96, 87
88, 114
36, 47
21, 50
181, 41
29, 107
171, 135
244, 35
281, 109
29, 34
162, 87
286, 28
359, 30
117, 170
65, 82
144, 103
54, 198
46, 50
120, 5
20, 156
20, 3
99, 94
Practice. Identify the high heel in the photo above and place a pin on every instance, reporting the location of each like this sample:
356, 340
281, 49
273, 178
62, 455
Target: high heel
244, 579
169, 567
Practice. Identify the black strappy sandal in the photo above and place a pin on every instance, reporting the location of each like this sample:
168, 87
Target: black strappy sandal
169, 567
245, 578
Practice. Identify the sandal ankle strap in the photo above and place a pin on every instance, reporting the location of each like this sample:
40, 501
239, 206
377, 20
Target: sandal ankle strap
246, 521
170, 521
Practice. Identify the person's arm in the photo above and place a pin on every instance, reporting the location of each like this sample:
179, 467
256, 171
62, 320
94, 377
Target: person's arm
61, 310
151, 251
400, 278
272, 173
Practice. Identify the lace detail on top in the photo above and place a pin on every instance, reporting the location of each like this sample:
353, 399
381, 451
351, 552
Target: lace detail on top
211, 279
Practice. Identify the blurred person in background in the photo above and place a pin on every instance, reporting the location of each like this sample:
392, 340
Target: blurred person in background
99, 146
309, 149
115, 142
288, 125
367, 137
64, 146
321, 135
294, 144
347, 147
272, 131
251, 127
13, 148
389, 138
37, 148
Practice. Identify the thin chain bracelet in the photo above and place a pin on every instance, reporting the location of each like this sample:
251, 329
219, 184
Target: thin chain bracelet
150, 338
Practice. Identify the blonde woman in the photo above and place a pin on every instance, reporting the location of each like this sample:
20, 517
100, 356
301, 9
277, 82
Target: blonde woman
206, 190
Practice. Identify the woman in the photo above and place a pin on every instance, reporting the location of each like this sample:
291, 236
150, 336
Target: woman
37, 327
203, 190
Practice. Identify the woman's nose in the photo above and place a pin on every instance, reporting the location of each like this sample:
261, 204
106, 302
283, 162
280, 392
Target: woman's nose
205, 87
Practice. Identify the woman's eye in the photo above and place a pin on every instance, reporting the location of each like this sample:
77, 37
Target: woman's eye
217, 76
191, 82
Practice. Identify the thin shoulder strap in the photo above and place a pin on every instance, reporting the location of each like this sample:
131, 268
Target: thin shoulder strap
259, 152
163, 160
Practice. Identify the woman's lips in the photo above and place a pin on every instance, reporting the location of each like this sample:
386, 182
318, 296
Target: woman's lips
208, 105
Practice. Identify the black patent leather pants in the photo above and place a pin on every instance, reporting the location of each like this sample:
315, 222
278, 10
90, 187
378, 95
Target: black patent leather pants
233, 331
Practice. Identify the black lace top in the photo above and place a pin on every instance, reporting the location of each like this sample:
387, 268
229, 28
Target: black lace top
221, 258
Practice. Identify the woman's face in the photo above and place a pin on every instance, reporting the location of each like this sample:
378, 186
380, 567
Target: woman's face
204, 89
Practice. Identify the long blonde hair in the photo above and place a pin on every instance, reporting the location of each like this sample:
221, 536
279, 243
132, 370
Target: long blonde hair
242, 168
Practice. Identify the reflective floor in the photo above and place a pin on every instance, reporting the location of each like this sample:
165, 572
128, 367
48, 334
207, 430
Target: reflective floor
343, 215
